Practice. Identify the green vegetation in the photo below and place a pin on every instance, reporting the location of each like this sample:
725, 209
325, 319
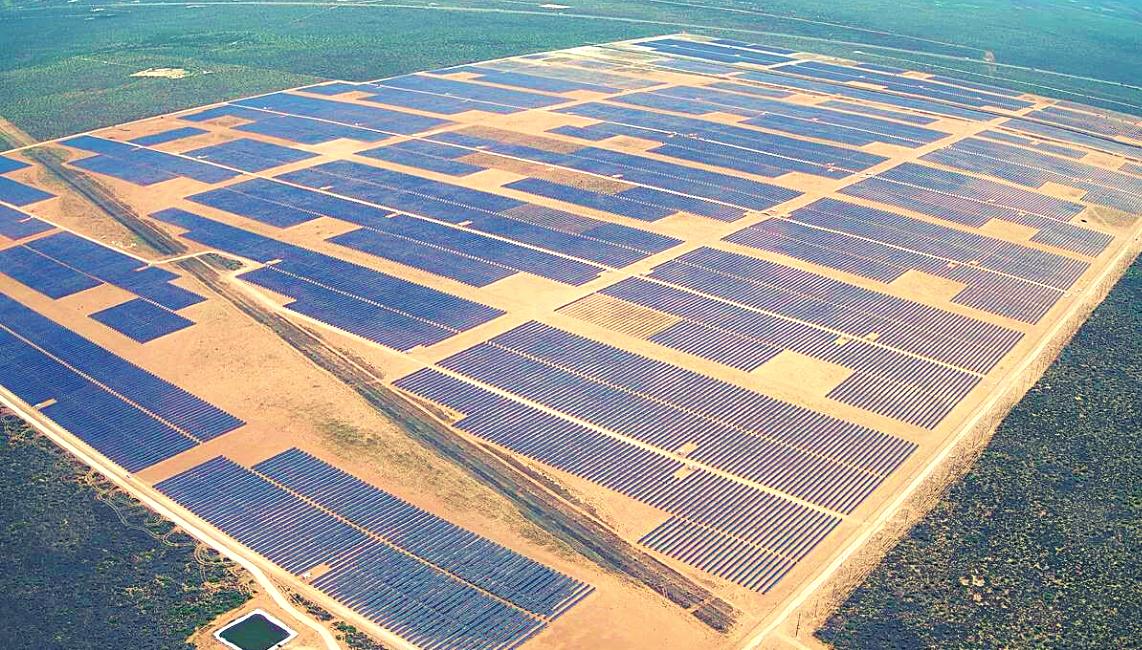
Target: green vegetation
85, 567
355, 639
69, 64
1037, 546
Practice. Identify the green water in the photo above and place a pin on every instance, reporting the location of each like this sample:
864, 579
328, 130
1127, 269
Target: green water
255, 633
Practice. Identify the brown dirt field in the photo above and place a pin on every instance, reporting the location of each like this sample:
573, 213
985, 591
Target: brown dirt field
1058, 190
815, 376
1007, 230
933, 288
620, 316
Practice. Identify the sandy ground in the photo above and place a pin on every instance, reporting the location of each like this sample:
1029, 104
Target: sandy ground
244, 368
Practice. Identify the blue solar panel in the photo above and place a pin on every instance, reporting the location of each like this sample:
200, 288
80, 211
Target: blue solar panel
138, 174
425, 155
115, 268
398, 566
618, 203
895, 83
926, 331
761, 47
453, 88
729, 141
554, 230
226, 110
165, 400
593, 78
875, 96
529, 81
250, 155
429, 258
1097, 142
306, 131
878, 112
169, 135
331, 88
17, 225
141, 320
374, 305
712, 194
17, 193
1033, 169
371, 117
659, 404
120, 409
813, 121
716, 503
230, 200
525, 583
10, 164
720, 52
42, 273
140, 165
494, 251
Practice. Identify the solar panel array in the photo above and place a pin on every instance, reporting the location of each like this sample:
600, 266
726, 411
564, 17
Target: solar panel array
15, 224
249, 155
431, 582
15, 193
772, 532
374, 305
1014, 281
971, 201
561, 232
141, 165
141, 320
1033, 169
126, 413
63, 263
651, 191
809, 121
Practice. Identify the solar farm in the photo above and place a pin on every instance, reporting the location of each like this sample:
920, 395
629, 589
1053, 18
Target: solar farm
736, 302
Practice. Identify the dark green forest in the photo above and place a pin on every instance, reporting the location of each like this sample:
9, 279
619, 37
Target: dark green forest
86, 567
68, 64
